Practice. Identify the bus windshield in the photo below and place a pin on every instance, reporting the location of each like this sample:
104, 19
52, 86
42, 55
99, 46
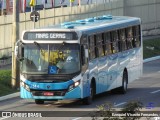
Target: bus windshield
51, 59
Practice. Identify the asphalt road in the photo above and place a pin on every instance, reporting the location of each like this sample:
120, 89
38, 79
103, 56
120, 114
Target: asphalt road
146, 89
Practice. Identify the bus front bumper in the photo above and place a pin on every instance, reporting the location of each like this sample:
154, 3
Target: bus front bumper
38, 94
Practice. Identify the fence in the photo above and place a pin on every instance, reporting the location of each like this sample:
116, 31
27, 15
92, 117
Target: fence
6, 58
147, 10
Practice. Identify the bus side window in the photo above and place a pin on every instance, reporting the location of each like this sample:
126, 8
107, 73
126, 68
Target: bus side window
129, 35
114, 41
99, 45
84, 45
107, 43
103, 43
137, 36
122, 38
119, 42
92, 54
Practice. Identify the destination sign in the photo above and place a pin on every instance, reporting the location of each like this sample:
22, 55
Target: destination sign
50, 36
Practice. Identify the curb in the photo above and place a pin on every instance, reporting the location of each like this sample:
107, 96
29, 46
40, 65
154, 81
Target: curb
17, 94
151, 59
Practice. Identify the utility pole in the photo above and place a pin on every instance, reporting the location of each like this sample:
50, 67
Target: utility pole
15, 37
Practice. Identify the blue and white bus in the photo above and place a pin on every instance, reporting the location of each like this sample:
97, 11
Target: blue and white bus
79, 59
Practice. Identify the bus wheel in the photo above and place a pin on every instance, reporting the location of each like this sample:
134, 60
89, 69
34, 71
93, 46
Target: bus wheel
88, 100
39, 101
123, 89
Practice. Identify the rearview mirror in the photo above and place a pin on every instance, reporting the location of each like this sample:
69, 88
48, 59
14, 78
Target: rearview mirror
19, 50
16, 51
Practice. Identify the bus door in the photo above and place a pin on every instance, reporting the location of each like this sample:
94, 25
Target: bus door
85, 70
113, 67
102, 64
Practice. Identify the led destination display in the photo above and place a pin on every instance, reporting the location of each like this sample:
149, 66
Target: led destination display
50, 36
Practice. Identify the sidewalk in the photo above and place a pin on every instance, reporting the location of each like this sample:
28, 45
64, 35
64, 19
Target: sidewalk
10, 96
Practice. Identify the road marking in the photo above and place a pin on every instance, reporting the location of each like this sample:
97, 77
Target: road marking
156, 118
155, 91
77, 118
120, 104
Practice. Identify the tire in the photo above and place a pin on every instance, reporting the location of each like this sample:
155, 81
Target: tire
88, 100
123, 89
39, 102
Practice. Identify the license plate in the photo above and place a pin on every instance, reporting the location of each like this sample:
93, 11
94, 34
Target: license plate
48, 93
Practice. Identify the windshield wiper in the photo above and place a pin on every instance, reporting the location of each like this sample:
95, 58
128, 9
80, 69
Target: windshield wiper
38, 45
61, 46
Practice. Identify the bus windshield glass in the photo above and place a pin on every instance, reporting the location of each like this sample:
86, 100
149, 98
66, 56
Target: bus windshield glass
51, 59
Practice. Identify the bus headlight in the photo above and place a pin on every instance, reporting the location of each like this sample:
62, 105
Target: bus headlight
25, 86
74, 85
22, 84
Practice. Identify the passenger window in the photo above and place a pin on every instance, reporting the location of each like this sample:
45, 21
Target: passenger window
99, 45
137, 36
129, 34
122, 38
107, 43
114, 41
92, 47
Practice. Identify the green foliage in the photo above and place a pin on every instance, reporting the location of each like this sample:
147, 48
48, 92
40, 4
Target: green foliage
106, 110
5, 82
151, 48
5, 77
132, 107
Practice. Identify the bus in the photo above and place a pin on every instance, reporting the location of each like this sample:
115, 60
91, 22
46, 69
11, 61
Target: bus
79, 59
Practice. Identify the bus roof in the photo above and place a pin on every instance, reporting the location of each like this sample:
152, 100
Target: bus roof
105, 22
